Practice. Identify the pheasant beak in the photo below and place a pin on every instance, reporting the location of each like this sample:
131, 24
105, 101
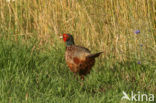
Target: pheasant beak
61, 37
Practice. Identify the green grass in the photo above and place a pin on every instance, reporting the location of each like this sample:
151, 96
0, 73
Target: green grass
32, 65
42, 76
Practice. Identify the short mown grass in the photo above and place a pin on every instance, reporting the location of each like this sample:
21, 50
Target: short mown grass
32, 64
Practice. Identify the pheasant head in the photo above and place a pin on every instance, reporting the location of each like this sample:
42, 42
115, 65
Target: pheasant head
68, 39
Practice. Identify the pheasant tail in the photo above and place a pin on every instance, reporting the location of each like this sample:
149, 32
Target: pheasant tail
94, 55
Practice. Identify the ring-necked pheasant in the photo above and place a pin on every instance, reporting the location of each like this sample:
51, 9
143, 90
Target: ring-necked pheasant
79, 59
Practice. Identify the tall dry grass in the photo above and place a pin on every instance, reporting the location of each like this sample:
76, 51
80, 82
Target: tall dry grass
101, 25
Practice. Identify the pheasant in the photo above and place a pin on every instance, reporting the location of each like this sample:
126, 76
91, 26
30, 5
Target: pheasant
79, 59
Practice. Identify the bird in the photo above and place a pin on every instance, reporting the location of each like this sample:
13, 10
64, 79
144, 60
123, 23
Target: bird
79, 59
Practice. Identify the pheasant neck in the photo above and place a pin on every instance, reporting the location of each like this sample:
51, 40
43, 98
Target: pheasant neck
70, 42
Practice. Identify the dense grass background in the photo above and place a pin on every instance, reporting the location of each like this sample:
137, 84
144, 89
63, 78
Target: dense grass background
32, 65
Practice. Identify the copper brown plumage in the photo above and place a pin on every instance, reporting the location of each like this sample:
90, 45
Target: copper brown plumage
79, 59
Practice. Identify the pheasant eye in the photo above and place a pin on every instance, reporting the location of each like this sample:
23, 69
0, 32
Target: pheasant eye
65, 37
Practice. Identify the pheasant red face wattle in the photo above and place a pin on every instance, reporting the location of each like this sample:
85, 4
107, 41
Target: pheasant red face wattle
65, 37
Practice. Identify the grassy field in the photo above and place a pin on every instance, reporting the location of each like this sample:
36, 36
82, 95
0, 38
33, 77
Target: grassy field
32, 64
